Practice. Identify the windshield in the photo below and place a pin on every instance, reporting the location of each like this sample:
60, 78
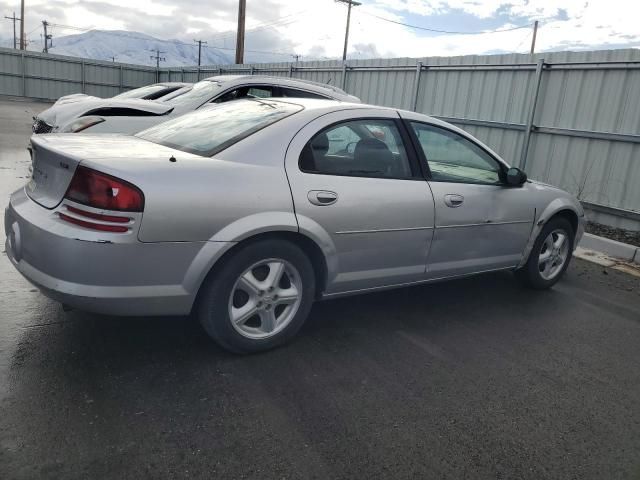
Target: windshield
200, 93
141, 92
209, 131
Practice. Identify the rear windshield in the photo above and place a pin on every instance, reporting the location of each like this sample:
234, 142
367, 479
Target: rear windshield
200, 93
141, 92
209, 131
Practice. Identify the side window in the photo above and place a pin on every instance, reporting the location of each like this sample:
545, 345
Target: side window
257, 91
362, 148
453, 158
292, 92
260, 92
342, 141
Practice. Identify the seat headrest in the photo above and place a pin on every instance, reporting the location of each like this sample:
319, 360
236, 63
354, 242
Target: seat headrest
320, 144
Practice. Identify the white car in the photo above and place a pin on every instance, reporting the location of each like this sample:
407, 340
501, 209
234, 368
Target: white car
131, 115
78, 103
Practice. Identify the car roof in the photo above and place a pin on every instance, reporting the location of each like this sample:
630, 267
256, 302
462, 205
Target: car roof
294, 82
327, 106
174, 84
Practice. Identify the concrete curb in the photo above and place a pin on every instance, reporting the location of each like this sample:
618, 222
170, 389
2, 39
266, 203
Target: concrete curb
614, 249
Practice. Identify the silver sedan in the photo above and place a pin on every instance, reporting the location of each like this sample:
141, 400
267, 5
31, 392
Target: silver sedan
248, 212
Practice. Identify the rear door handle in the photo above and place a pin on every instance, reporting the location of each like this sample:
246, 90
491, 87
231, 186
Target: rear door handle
322, 197
453, 200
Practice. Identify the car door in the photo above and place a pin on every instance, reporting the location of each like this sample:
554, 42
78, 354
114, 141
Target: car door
358, 191
481, 223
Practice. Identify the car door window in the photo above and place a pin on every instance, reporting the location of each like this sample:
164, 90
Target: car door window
454, 158
364, 148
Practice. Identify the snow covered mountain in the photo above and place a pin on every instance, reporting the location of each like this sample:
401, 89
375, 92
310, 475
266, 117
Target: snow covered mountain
135, 47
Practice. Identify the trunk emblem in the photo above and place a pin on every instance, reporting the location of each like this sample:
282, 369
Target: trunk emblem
115, 191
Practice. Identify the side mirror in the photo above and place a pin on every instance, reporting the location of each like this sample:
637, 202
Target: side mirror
515, 177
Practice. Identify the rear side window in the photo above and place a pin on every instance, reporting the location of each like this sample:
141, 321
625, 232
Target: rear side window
201, 92
162, 93
255, 91
361, 148
208, 131
142, 92
292, 92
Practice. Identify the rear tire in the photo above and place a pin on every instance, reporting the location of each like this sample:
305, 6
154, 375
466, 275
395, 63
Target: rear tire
550, 255
258, 298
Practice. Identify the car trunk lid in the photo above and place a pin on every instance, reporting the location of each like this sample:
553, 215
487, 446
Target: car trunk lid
55, 157
51, 172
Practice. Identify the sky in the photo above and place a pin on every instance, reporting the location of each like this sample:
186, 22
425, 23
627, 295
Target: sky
314, 29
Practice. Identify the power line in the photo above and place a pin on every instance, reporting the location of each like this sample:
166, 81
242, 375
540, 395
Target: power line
434, 30
282, 21
526, 37
33, 30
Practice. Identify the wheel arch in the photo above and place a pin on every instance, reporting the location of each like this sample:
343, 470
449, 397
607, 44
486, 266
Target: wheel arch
559, 208
568, 214
305, 243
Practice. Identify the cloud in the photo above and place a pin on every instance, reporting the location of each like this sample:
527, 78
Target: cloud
315, 28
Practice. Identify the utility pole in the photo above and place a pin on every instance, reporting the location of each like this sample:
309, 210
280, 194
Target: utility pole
242, 7
22, 39
158, 58
533, 40
199, 42
297, 57
14, 18
350, 3
47, 36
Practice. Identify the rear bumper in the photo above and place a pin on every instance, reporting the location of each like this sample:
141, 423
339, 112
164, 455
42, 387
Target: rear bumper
102, 276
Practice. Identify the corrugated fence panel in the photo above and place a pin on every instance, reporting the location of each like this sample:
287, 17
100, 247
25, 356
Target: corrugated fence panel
102, 74
137, 78
10, 75
583, 98
386, 87
51, 76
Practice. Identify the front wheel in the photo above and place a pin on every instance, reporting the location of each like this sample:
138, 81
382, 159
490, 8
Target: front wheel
259, 297
550, 255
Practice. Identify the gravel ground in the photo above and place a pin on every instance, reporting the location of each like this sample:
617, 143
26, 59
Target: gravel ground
619, 234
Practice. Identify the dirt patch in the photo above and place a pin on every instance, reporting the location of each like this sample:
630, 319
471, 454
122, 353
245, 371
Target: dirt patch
619, 234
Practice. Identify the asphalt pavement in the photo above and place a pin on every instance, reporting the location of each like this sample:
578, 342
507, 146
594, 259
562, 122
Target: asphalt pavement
476, 378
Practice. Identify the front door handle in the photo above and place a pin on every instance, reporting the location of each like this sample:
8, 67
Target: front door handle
453, 200
322, 197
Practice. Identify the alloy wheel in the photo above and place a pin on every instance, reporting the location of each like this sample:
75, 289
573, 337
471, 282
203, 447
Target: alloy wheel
265, 298
553, 254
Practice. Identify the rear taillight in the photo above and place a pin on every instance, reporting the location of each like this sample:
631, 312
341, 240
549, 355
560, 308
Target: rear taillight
99, 190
